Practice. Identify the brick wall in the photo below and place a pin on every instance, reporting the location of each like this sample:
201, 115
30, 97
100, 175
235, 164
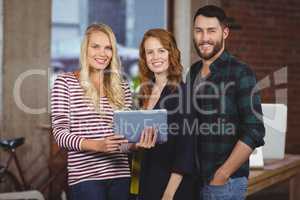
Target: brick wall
270, 40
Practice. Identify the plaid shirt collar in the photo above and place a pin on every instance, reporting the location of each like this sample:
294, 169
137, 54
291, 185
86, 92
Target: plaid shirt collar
219, 62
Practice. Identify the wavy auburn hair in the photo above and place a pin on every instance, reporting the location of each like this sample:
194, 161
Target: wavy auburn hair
112, 80
146, 76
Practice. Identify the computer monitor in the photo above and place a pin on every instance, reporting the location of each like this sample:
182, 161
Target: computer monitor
275, 121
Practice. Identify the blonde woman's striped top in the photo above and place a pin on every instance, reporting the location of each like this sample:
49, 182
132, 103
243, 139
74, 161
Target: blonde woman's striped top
74, 118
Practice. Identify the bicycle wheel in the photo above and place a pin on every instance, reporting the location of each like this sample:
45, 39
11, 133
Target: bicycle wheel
8, 182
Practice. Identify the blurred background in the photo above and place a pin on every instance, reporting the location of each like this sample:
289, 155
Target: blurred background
41, 38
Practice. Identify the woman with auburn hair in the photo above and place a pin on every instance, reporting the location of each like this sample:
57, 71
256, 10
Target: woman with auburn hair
82, 106
166, 168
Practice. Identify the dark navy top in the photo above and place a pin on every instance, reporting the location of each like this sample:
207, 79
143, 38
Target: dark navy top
173, 156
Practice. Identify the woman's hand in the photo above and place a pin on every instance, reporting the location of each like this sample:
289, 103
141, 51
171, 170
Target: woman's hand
167, 196
112, 143
148, 138
109, 144
173, 184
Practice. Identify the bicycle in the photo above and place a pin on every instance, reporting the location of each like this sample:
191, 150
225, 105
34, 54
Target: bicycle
10, 185
8, 181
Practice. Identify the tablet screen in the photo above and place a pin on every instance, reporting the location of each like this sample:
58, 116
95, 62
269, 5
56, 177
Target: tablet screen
131, 123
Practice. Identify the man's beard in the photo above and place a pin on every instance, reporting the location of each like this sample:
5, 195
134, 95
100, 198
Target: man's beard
216, 49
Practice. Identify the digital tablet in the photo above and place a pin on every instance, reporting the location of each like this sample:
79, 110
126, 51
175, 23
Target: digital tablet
131, 123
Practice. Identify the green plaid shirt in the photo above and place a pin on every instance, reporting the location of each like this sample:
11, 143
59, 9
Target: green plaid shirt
226, 109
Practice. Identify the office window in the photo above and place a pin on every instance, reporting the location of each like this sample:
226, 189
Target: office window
129, 19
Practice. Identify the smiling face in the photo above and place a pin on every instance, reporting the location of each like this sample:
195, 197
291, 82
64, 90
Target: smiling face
157, 57
99, 51
209, 36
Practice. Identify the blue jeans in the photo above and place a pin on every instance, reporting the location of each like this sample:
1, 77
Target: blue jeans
112, 189
234, 189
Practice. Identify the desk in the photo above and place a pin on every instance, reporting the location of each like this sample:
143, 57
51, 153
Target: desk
276, 171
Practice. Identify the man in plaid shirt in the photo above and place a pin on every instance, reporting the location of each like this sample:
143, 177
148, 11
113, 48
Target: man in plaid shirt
226, 115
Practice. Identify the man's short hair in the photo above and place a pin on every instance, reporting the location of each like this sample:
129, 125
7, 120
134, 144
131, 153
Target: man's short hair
212, 11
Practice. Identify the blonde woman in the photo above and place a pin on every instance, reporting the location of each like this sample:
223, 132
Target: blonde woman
82, 112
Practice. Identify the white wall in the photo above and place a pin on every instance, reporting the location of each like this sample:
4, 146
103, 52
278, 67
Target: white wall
182, 30
183, 16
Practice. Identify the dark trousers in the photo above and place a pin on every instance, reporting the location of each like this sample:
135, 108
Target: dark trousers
113, 189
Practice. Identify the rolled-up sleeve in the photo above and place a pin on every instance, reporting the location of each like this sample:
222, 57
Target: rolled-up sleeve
249, 107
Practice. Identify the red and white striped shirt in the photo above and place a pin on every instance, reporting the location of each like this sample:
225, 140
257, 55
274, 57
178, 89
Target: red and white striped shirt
74, 118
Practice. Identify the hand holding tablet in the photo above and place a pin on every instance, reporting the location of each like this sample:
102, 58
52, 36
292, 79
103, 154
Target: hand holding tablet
131, 124
148, 138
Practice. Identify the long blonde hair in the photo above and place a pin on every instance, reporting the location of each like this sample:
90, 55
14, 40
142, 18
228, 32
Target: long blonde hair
112, 81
